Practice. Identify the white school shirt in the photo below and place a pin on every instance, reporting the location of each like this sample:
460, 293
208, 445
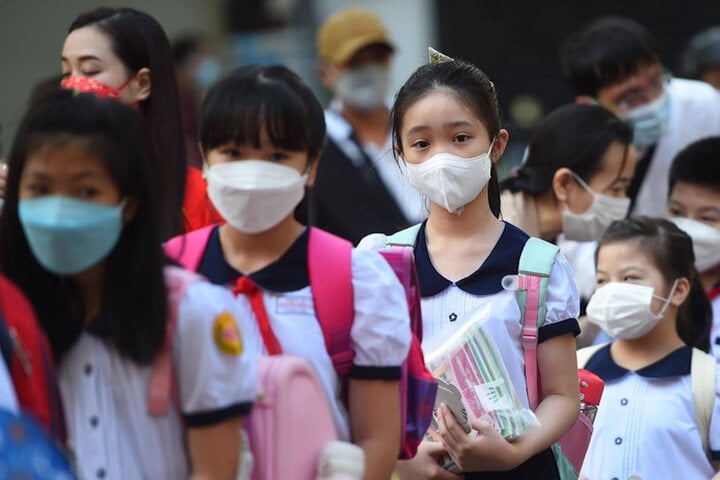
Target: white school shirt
715, 329
446, 305
645, 426
380, 334
105, 395
8, 400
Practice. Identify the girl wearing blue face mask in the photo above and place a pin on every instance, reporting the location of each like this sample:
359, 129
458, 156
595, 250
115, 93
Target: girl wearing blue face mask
657, 398
81, 237
446, 128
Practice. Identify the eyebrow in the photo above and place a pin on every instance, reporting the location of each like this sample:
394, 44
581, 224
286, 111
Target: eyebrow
448, 125
77, 176
83, 58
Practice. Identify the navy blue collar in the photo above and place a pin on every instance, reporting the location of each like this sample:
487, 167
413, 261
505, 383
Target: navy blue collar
503, 260
676, 363
286, 274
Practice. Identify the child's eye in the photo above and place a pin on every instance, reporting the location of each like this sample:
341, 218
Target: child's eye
231, 152
278, 156
675, 212
88, 192
461, 138
709, 219
420, 144
36, 189
630, 278
599, 281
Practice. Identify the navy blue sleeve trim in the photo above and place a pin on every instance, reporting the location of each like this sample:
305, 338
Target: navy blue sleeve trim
212, 417
557, 329
375, 373
715, 455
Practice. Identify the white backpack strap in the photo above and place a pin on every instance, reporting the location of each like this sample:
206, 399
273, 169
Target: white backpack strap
584, 354
702, 378
404, 238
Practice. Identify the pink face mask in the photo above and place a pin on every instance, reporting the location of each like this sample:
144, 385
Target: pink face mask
83, 84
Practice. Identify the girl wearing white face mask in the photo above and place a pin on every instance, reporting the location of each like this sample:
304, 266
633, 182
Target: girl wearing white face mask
261, 132
694, 206
446, 128
650, 299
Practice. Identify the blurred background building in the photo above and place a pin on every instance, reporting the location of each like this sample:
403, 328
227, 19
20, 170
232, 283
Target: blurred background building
515, 42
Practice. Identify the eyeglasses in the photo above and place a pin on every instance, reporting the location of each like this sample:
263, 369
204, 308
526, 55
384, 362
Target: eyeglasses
637, 97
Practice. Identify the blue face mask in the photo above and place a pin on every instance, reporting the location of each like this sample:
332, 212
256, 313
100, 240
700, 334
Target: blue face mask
68, 236
649, 121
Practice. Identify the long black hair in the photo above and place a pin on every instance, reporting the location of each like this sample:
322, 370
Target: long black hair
672, 251
134, 304
573, 136
470, 86
140, 42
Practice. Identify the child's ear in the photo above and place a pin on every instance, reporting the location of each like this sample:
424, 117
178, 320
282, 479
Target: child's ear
201, 150
312, 172
328, 74
130, 210
681, 293
499, 146
561, 182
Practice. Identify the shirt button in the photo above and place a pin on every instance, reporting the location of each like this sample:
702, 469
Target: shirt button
618, 441
624, 402
94, 421
100, 473
452, 317
87, 369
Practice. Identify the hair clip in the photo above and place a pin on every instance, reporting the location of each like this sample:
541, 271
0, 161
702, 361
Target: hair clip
435, 57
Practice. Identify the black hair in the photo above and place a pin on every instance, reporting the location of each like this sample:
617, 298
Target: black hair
607, 51
184, 45
672, 251
697, 164
703, 53
140, 42
134, 304
470, 86
254, 98
573, 136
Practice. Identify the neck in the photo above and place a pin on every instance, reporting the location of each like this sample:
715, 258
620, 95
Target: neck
250, 252
90, 283
710, 278
475, 219
640, 352
369, 125
549, 214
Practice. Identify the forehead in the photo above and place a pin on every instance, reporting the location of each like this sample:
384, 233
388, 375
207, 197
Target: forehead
89, 41
436, 109
60, 156
624, 254
695, 196
637, 81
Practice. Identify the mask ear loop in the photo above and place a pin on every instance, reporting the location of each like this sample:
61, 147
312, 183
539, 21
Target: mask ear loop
664, 308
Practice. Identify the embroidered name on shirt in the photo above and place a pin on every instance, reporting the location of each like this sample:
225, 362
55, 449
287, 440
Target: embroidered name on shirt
295, 305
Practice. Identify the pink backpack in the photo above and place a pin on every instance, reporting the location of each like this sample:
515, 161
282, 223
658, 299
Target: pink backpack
289, 393
329, 267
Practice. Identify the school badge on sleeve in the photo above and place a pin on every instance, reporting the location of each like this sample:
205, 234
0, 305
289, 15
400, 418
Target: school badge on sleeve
227, 334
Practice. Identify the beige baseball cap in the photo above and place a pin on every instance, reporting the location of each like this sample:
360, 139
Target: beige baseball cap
346, 32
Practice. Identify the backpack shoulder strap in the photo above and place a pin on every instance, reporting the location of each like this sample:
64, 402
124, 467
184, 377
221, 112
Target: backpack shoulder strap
404, 238
702, 379
536, 262
585, 354
330, 271
162, 378
188, 249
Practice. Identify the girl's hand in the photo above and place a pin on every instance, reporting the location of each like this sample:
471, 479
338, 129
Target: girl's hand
425, 465
488, 451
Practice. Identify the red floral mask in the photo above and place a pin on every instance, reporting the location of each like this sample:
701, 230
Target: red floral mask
83, 84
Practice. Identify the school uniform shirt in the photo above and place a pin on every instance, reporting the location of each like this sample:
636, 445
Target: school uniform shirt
447, 305
380, 334
645, 426
105, 394
8, 400
714, 294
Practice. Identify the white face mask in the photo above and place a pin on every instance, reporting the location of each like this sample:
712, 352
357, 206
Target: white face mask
649, 121
449, 180
364, 87
590, 225
254, 195
622, 310
706, 242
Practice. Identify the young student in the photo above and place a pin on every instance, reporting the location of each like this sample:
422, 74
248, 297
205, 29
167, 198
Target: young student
261, 132
81, 238
694, 206
446, 128
615, 62
575, 178
650, 299
124, 53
